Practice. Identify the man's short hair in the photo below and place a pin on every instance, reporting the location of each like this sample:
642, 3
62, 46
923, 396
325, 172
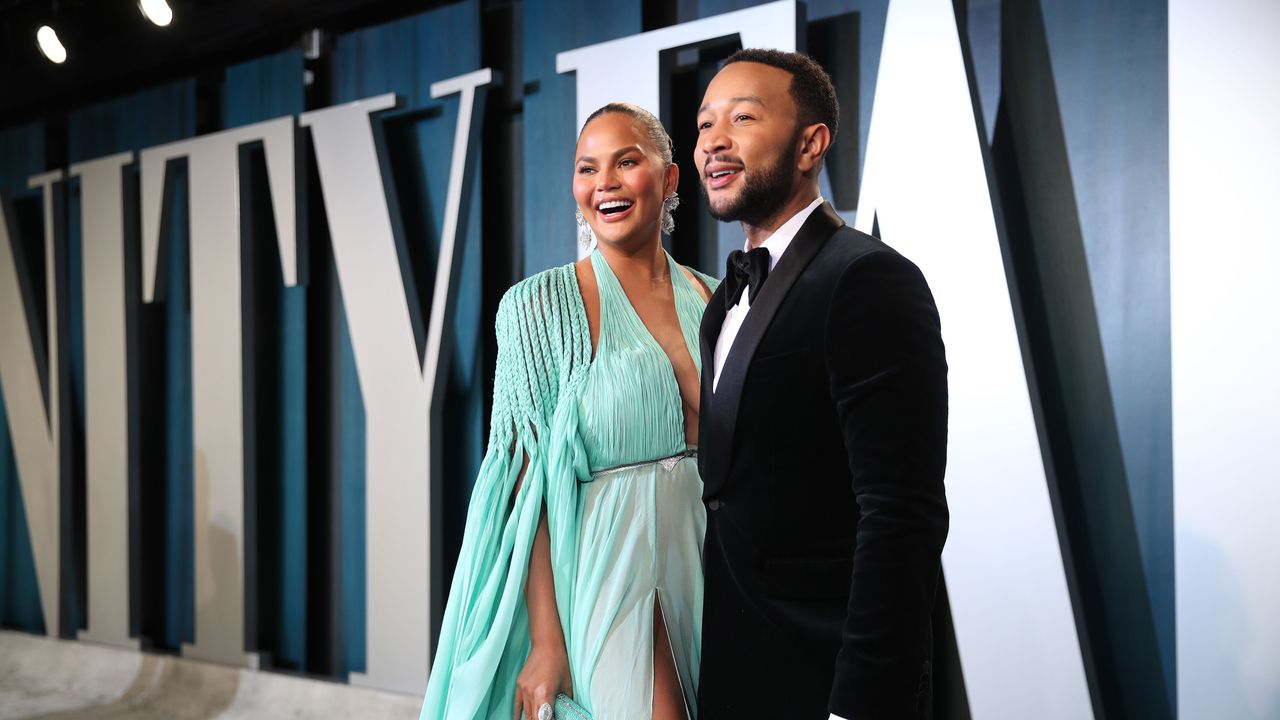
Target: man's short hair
811, 87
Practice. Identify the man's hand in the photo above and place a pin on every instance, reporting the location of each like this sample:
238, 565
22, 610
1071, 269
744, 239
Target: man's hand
545, 674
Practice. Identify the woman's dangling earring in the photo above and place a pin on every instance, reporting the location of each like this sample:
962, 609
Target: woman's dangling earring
586, 236
669, 205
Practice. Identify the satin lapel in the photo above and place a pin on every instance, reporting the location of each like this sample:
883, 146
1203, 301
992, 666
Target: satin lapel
708, 333
720, 427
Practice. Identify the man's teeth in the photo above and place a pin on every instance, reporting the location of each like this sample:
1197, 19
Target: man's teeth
722, 173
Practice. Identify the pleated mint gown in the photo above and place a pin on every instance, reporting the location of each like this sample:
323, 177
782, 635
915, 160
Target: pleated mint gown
605, 442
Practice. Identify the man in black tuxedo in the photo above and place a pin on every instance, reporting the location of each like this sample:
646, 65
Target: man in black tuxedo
823, 425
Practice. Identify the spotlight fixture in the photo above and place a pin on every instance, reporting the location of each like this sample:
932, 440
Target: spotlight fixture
157, 11
50, 45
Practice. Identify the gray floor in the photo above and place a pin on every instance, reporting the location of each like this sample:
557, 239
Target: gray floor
45, 678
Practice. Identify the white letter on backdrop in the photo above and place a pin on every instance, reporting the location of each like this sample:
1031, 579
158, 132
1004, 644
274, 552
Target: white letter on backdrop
216, 354
926, 181
399, 394
106, 422
33, 425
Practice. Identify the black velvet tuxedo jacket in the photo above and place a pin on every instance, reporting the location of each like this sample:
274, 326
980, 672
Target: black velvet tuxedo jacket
822, 452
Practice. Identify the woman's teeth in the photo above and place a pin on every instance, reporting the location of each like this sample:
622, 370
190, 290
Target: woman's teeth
613, 206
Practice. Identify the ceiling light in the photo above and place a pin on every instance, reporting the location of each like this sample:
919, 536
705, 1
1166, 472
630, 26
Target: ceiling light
157, 11
50, 45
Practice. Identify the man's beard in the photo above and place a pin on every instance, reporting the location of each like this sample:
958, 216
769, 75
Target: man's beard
764, 194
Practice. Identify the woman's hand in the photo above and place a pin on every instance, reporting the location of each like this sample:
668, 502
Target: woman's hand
546, 671
545, 674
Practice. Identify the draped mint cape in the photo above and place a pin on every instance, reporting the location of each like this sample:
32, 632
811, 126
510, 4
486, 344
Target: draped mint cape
544, 358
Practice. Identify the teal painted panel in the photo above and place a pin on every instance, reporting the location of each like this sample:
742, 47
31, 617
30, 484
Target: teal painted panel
1110, 68
550, 127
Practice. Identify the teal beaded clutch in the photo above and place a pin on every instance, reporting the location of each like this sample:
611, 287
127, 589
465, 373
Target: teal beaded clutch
567, 709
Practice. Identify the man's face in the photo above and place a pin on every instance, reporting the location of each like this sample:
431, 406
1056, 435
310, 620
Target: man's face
747, 142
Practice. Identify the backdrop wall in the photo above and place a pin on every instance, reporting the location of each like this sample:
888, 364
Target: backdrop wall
1064, 152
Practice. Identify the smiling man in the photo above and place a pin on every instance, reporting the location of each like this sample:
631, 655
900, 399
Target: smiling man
824, 425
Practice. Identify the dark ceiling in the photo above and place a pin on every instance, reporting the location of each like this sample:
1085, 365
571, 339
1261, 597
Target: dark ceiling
112, 49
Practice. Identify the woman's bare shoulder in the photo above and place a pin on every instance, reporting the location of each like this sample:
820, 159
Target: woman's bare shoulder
704, 284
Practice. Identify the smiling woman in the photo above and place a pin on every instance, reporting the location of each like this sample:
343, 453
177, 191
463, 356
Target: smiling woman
588, 511
637, 146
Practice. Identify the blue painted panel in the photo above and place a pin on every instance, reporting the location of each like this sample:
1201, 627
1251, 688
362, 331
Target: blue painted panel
550, 104
179, 562
74, 594
21, 156
351, 446
19, 591
1110, 69
982, 26
133, 122
263, 89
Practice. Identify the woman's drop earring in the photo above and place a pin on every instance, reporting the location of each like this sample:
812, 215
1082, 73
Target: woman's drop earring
586, 236
669, 205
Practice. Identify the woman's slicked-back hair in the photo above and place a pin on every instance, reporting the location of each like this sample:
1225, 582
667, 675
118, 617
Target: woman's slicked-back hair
652, 126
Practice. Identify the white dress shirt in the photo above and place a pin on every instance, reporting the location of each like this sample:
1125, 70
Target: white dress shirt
777, 244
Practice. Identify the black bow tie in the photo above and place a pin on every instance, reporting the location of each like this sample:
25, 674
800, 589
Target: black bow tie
745, 270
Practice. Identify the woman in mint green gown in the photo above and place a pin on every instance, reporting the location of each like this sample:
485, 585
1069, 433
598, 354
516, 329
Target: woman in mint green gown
581, 564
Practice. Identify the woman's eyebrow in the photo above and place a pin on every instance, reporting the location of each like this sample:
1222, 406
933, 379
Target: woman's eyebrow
619, 152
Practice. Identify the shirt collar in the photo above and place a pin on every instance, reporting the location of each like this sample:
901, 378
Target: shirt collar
781, 238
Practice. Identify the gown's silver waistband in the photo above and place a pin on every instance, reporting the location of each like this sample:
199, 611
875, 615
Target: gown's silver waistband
667, 464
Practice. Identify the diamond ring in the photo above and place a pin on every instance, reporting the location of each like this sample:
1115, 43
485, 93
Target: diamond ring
545, 712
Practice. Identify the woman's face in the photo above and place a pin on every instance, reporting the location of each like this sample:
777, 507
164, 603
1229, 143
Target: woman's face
619, 181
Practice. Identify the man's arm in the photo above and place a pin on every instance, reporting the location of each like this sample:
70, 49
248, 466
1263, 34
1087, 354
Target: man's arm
888, 378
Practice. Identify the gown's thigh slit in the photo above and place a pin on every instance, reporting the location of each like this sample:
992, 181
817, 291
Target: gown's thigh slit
669, 701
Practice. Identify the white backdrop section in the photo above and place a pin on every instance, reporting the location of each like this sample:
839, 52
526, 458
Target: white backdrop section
1224, 181
926, 180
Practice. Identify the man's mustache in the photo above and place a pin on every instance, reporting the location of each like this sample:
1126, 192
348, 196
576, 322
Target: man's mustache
721, 158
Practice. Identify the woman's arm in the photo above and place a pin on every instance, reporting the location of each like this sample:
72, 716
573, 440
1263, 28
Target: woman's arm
546, 671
